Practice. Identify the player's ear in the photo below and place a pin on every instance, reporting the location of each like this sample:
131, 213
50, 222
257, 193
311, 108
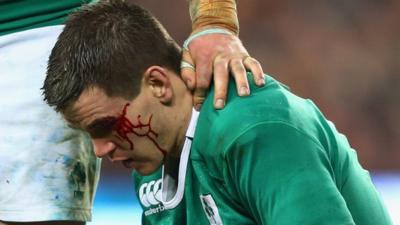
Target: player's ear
157, 80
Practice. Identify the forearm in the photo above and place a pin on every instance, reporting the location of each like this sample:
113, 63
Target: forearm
214, 13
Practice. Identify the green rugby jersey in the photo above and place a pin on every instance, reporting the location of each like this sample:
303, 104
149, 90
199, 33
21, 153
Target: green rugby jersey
19, 15
270, 158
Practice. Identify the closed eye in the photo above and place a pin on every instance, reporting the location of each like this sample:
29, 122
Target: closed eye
102, 127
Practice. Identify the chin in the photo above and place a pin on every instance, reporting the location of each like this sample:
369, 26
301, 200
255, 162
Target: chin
145, 170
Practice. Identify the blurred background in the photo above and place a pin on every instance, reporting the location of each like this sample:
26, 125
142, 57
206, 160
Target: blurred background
342, 54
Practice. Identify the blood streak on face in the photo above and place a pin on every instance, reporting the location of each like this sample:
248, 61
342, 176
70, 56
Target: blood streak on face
124, 126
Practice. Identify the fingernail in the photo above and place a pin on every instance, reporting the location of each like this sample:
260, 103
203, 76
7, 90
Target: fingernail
219, 104
244, 91
261, 82
197, 107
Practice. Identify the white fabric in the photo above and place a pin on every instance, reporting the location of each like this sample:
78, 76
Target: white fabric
47, 170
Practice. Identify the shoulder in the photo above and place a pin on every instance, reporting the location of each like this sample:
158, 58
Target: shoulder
270, 116
273, 103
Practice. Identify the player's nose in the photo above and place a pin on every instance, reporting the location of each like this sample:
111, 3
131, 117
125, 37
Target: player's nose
102, 147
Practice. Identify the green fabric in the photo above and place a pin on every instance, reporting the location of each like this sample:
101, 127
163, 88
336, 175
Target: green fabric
19, 15
272, 158
189, 211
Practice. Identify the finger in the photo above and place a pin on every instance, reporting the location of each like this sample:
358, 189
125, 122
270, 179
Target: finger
239, 73
203, 81
200, 92
203, 73
221, 79
254, 66
188, 74
199, 95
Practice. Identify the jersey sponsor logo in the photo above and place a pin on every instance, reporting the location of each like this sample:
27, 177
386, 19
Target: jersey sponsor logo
211, 209
154, 210
150, 195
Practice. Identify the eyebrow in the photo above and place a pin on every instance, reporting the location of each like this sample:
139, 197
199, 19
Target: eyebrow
101, 127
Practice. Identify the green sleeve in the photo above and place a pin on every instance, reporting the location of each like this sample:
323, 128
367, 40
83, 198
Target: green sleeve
283, 176
362, 199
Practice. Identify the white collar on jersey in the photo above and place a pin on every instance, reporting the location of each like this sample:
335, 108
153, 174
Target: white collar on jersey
168, 182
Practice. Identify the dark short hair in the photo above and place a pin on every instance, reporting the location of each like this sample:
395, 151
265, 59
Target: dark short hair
108, 45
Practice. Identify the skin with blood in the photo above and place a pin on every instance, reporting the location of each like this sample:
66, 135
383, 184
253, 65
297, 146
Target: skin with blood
124, 126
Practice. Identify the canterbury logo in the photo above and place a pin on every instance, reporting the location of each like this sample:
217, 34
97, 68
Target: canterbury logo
150, 193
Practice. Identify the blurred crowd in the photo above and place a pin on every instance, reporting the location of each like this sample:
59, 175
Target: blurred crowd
342, 54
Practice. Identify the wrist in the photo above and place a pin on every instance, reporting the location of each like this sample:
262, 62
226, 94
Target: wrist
207, 31
216, 14
208, 27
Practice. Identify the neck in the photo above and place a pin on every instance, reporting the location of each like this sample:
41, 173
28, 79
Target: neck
172, 159
180, 114
182, 121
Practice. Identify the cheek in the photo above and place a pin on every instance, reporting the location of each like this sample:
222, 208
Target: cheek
147, 158
141, 128
146, 148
